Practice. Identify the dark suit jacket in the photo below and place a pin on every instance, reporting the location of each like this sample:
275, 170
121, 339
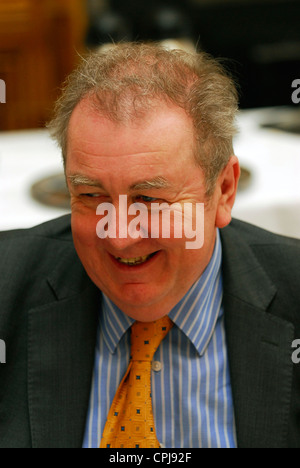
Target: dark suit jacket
48, 319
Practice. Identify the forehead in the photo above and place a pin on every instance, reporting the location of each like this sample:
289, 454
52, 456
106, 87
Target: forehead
164, 128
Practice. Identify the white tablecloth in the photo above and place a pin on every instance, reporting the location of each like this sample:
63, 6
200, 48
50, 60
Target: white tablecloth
272, 199
25, 157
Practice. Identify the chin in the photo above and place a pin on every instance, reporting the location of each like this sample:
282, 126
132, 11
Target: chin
138, 295
140, 302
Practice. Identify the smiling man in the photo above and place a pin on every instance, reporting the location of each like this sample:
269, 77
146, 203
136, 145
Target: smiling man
122, 340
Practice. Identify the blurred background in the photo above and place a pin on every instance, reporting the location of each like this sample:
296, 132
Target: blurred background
41, 42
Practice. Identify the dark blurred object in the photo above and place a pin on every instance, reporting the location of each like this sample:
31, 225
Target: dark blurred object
287, 121
159, 23
260, 39
168, 23
245, 179
109, 27
52, 191
157, 20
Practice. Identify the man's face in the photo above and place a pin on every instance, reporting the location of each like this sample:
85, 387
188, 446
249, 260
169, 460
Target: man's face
121, 159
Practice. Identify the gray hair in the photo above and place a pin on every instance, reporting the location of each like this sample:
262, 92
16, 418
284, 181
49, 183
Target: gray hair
128, 79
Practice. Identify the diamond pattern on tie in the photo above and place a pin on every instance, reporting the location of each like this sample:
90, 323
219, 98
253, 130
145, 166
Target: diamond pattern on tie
130, 422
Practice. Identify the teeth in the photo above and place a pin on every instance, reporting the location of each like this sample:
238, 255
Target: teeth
133, 261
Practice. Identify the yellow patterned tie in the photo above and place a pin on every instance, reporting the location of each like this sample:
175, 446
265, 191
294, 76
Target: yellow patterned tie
130, 422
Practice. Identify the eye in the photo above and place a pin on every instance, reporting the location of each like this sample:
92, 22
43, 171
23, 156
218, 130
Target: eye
145, 199
91, 195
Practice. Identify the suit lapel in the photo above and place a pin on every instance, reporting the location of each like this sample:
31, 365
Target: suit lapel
62, 338
259, 348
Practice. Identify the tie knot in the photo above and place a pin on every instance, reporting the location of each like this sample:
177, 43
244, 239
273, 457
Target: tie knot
146, 338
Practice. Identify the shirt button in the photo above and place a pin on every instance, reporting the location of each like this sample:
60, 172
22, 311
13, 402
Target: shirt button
157, 366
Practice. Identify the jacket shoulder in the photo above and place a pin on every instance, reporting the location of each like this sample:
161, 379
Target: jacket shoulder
257, 236
59, 229
278, 256
29, 255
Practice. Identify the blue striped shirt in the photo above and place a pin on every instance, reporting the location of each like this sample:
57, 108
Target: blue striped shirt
191, 391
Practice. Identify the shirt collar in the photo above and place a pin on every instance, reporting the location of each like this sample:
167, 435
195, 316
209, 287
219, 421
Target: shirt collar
196, 314
114, 323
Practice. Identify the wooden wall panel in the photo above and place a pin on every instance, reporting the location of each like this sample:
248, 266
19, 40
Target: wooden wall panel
39, 45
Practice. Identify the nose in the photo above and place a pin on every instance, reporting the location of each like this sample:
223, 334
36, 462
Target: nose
120, 228
120, 246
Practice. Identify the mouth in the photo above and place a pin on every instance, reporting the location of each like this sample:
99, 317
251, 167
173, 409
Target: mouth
132, 262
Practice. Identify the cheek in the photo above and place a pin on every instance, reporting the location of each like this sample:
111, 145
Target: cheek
84, 230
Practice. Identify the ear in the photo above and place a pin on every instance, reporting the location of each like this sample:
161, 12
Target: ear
226, 189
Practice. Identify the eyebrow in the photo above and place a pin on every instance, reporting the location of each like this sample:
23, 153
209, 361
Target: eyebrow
156, 183
77, 179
